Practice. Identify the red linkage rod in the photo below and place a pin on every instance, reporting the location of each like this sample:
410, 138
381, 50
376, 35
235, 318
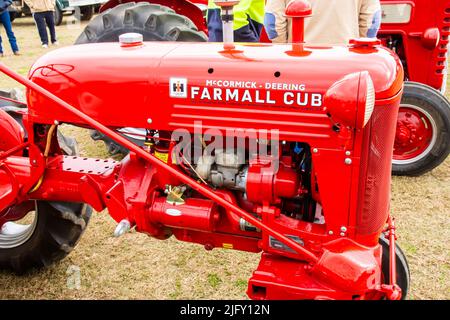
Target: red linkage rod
205, 191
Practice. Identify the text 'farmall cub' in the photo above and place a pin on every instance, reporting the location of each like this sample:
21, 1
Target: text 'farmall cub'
279, 149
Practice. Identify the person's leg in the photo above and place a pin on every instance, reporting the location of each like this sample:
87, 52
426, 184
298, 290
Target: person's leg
50, 20
6, 21
1, 48
40, 23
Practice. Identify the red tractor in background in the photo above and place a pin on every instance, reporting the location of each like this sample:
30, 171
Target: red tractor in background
416, 30
288, 157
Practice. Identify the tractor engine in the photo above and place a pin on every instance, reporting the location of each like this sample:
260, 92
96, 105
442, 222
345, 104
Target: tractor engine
259, 180
279, 149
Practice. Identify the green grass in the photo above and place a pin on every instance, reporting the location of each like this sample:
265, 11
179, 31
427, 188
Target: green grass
214, 280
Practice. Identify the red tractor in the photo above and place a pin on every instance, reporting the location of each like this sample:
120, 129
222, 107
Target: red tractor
289, 157
416, 30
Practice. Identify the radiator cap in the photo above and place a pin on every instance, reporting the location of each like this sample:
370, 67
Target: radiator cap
131, 39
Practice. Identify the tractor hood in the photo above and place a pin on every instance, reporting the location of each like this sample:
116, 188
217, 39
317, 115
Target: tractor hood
171, 85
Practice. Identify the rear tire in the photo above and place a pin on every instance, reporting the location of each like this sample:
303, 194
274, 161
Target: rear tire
154, 22
56, 229
430, 107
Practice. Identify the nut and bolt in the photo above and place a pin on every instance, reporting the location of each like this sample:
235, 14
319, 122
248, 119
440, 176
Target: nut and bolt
56, 122
343, 229
342, 234
347, 153
149, 120
330, 232
315, 150
348, 161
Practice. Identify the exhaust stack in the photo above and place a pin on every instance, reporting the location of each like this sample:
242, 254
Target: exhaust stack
227, 16
298, 10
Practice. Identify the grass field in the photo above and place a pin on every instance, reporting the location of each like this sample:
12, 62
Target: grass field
136, 266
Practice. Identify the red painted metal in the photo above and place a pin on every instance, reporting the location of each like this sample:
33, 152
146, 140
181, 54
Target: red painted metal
12, 134
279, 278
429, 24
337, 258
13, 150
169, 58
414, 134
393, 290
341, 98
304, 253
194, 214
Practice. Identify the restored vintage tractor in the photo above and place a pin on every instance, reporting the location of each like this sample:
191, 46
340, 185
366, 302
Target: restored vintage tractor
269, 149
416, 30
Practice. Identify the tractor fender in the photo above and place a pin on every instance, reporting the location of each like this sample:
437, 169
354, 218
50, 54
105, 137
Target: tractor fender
11, 133
182, 7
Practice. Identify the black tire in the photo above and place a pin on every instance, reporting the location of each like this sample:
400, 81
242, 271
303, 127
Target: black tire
113, 148
13, 15
86, 13
403, 273
433, 103
58, 16
154, 22
57, 230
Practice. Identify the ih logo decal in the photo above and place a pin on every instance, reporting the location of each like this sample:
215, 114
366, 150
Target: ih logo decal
178, 87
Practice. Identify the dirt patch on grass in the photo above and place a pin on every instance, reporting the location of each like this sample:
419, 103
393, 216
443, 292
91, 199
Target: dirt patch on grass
136, 266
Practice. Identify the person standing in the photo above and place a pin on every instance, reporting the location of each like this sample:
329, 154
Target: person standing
334, 22
42, 11
247, 21
6, 21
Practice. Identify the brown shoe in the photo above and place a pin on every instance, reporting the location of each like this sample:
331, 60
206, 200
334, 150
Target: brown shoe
17, 53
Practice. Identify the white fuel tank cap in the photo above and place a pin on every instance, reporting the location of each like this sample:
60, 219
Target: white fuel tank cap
131, 39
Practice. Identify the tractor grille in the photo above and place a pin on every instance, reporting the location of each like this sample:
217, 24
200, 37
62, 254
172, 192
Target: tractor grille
443, 44
374, 188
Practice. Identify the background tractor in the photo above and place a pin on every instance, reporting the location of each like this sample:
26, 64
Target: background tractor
417, 31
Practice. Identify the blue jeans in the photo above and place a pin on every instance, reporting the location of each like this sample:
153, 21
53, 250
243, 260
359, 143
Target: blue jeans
6, 21
44, 19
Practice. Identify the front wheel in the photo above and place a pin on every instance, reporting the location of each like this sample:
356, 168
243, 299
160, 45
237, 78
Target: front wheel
45, 233
422, 140
402, 268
